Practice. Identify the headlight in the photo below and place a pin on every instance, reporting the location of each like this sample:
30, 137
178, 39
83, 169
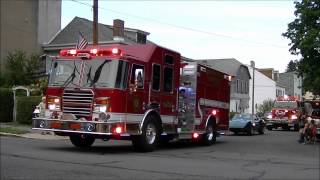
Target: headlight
269, 116
102, 104
53, 103
294, 117
52, 106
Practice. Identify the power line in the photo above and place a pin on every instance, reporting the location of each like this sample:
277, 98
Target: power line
182, 27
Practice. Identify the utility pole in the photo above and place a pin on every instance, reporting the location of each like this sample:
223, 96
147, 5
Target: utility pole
252, 100
95, 22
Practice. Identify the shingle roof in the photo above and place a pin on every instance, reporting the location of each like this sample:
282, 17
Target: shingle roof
229, 66
69, 35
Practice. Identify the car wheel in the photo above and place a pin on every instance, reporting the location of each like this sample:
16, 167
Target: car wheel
261, 130
269, 128
250, 130
149, 137
82, 140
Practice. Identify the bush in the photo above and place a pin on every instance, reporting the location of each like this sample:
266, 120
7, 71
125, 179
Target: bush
25, 108
6, 105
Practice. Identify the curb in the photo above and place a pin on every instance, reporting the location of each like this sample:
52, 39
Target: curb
35, 136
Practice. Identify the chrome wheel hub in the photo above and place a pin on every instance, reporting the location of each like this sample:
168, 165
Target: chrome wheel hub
151, 133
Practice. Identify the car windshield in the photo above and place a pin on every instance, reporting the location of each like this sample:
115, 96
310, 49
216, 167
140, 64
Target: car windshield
285, 104
105, 73
243, 117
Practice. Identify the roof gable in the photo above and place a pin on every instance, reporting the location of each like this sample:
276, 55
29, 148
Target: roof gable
69, 35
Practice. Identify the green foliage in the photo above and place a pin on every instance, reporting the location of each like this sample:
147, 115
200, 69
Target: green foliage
39, 86
6, 105
12, 130
266, 106
292, 66
25, 108
231, 114
304, 33
21, 69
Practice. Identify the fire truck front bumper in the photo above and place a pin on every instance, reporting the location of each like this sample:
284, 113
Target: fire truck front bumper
281, 122
114, 129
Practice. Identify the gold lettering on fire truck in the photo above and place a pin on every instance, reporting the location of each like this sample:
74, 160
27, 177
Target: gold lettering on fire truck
136, 103
167, 104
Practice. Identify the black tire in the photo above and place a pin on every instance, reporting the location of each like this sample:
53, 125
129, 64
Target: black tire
149, 138
210, 136
269, 128
250, 130
82, 141
296, 127
261, 130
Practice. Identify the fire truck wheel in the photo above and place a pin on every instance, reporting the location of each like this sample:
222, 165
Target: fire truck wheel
149, 137
82, 140
269, 128
210, 136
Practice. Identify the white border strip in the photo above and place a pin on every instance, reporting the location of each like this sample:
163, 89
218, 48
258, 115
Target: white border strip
213, 103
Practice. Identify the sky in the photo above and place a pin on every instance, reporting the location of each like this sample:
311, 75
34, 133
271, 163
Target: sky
245, 30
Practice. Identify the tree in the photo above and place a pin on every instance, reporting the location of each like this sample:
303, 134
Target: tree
21, 69
304, 33
292, 66
266, 106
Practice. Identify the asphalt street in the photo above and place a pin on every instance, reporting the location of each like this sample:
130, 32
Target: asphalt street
274, 155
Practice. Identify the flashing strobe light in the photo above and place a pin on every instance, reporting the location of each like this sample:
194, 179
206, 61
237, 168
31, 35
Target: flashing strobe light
214, 112
115, 51
294, 117
94, 51
118, 130
195, 135
72, 51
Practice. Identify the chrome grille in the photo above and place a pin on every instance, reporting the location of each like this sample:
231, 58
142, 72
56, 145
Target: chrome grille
77, 102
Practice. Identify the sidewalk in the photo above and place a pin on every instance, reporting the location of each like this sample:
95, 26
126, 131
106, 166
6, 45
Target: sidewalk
26, 131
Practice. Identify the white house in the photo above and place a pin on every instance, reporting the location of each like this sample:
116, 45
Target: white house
264, 89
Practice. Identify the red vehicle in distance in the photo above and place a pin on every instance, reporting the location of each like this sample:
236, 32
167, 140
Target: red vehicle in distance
285, 113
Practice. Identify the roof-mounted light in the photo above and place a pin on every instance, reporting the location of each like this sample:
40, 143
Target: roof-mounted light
93, 51
72, 51
115, 51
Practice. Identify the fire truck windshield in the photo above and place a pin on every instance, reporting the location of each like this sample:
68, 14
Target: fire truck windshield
285, 104
105, 73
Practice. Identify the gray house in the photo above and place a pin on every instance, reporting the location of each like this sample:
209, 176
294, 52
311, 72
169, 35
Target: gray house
68, 36
239, 95
292, 83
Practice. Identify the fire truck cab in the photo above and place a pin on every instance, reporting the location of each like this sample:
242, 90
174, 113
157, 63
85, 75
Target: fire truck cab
285, 113
143, 93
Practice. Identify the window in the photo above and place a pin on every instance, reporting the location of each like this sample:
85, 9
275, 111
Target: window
137, 76
121, 79
156, 77
168, 79
238, 86
168, 59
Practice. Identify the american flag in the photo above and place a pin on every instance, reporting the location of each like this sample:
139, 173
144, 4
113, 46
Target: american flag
82, 42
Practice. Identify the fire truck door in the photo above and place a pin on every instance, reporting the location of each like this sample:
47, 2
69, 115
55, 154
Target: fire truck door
136, 99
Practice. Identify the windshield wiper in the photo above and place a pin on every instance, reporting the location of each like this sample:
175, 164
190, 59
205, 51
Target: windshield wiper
98, 72
71, 77
89, 75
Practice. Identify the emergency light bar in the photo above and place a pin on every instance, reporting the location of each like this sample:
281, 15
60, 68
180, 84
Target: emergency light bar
89, 53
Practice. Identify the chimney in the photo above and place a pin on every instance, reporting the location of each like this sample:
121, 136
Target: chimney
118, 30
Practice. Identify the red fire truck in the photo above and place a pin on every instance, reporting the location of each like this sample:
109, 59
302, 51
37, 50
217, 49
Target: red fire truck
143, 93
285, 113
